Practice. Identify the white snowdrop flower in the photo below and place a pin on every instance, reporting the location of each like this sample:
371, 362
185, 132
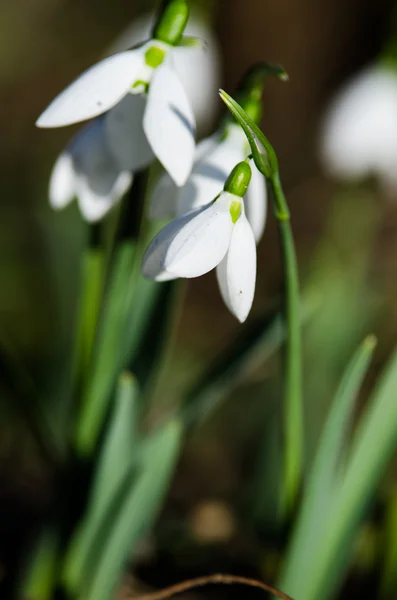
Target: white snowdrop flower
199, 69
147, 71
359, 136
87, 170
217, 235
214, 159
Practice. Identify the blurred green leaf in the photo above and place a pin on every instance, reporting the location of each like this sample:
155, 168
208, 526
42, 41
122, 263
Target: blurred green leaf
389, 571
139, 509
371, 449
39, 582
108, 352
118, 452
324, 479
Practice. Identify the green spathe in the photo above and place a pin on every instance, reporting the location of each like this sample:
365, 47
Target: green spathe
239, 179
172, 22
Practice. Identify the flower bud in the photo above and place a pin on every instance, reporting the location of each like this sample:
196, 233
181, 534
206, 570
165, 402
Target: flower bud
172, 22
239, 179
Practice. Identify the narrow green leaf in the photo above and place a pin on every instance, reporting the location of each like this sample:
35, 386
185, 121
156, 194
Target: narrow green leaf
372, 448
114, 464
108, 352
324, 476
141, 504
93, 274
39, 583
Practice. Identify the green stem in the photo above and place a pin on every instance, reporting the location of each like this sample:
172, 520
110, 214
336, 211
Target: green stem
293, 411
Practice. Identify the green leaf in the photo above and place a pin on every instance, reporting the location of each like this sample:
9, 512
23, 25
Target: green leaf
39, 583
142, 502
371, 450
118, 452
324, 478
108, 352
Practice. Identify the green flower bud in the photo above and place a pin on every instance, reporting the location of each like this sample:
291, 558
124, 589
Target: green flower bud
239, 179
172, 22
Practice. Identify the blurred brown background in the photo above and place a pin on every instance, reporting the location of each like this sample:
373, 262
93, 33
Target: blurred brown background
44, 44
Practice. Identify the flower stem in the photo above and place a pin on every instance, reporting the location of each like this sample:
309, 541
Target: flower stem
293, 411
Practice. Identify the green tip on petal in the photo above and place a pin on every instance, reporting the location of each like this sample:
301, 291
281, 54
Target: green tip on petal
172, 22
262, 151
239, 179
235, 210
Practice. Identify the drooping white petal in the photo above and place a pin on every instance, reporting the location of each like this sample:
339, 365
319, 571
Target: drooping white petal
62, 188
124, 130
97, 90
256, 203
169, 123
168, 200
236, 273
201, 244
164, 198
153, 261
100, 182
210, 172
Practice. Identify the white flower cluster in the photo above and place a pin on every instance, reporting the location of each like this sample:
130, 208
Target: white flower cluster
141, 110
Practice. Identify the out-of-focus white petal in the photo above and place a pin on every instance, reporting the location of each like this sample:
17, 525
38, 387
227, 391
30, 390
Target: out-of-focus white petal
169, 200
210, 172
236, 273
100, 182
198, 69
153, 261
359, 135
62, 188
169, 123
164, 198
95, 91
256, 203
126, 138
202, 243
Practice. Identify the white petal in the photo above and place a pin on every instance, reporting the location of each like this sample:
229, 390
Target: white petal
169, 124
210, 172
169, 200
256, 203
236, 274
153, 261
126, 138
100, 182
62, 188
164, 198
202, 243
95, 91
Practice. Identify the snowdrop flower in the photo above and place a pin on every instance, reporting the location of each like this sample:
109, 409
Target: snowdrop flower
146, 72
217, 235
198, 69
214, 159
359, 136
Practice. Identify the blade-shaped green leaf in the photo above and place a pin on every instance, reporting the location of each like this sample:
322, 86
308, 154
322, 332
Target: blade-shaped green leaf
114, 463
139, 509
108, 352
39, 582
372, 448
324, 477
